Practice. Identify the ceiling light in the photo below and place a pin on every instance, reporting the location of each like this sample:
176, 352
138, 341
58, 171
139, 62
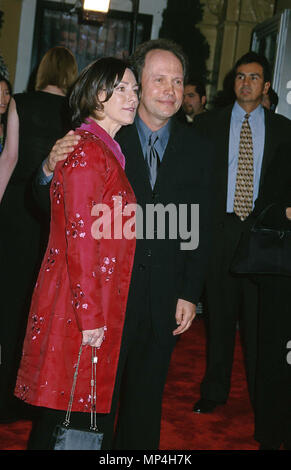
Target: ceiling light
101, 6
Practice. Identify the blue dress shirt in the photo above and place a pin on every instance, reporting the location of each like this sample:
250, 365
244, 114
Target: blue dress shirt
144, 132
42, 178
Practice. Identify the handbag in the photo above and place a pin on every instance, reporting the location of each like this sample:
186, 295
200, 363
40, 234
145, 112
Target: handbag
65, 437
263, 250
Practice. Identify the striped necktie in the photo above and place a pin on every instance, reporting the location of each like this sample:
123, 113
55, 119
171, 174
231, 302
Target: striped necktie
152, 158
244, 188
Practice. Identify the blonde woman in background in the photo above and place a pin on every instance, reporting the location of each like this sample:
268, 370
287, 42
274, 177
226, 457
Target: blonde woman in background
35, 120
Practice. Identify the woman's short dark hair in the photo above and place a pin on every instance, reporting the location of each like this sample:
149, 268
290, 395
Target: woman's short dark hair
101, 75
4, 79
5, 115
139, 56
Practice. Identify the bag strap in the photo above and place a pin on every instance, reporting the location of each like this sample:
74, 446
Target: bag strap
94, 360
256, 226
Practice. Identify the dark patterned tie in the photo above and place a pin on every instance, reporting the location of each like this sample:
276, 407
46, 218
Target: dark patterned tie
153, 159
244, 188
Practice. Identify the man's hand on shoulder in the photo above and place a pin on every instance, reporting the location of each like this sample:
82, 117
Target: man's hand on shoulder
60, 151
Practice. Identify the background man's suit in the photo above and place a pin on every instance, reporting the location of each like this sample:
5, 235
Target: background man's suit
227, 296
273, 380
161, 274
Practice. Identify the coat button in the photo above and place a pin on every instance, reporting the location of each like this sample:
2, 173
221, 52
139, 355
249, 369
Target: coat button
141, 267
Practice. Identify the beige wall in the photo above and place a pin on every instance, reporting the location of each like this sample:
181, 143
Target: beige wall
228, 25
282, 5
20, 31
9, 34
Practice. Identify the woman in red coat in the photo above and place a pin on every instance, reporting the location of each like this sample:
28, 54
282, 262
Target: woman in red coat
82, 288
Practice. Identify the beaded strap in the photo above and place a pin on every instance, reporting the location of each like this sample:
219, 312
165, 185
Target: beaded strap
94, 360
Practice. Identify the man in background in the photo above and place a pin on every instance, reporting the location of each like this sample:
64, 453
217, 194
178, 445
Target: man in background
246, 137
194, 101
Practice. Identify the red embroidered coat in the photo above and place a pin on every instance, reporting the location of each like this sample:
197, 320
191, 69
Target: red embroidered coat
83, 282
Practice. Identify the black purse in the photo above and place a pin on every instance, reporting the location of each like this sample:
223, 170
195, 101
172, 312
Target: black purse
263, 250
66, 437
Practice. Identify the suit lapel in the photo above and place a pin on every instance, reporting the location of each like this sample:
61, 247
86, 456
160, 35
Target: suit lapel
222, 131
267, 155
135, 166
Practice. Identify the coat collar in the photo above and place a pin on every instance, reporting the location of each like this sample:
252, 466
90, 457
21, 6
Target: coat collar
90, 125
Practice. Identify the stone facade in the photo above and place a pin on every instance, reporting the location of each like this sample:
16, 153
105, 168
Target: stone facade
228, 25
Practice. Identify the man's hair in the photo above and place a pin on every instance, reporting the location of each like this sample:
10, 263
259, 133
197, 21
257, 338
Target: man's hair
138, 58
199, 85
251, 57
58, 67
101, 75
274, 99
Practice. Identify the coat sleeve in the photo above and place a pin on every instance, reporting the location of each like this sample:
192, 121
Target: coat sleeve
41, 191
84, 179
276, 189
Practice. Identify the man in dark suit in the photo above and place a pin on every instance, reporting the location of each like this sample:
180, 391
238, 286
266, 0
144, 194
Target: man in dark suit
272, 408
246, 139
166, 280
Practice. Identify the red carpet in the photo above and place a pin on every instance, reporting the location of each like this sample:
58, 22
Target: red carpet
230, 427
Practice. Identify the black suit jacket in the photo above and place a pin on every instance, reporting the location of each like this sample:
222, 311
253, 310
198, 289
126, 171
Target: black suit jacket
185, 177
215, 125
276, 190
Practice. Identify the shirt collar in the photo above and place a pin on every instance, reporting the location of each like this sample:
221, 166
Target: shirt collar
144, 132
239, 113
